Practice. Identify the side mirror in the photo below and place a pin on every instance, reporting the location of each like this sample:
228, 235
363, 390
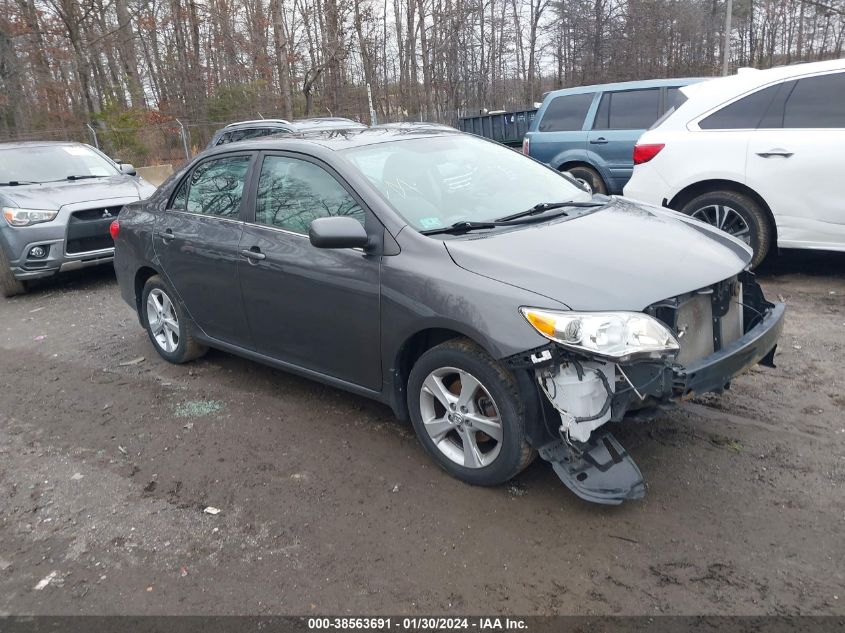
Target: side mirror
337, 232
128, 169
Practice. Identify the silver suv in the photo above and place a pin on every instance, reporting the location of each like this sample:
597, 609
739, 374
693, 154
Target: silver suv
57, 201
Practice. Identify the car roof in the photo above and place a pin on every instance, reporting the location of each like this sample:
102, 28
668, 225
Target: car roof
706, 96
624, 85
24, 144
335, 140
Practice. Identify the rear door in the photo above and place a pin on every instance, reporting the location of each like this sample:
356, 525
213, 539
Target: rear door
196, 240
621, 118
562, 129
314, 308
796, 160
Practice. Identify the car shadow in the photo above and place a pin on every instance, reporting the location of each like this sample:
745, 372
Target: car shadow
803, 262
83, 280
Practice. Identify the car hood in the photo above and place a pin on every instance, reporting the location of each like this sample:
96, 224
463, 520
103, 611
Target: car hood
54, 195
625, 256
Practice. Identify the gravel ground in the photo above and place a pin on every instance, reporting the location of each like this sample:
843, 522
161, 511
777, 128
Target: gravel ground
109, 457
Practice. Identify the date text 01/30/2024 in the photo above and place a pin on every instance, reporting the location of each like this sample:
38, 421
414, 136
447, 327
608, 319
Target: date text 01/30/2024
417, 624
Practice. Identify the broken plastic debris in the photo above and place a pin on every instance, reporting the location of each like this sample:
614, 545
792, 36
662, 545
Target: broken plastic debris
46, 580
77, 476
212, 510
134, 361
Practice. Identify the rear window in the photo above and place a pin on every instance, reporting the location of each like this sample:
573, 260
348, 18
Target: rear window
566, 113
674, 99
744, 114
628, 110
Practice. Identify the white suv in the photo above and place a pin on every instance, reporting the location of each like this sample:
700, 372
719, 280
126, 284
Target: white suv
760, 154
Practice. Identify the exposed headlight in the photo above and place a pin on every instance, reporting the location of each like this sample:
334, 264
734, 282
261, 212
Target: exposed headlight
26, 217
620, 336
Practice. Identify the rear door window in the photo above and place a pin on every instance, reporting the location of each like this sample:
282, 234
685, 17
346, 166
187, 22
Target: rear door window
566, 113
816, 102
628, 110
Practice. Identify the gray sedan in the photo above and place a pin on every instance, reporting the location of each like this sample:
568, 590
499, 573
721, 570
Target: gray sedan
57, 201
494, 302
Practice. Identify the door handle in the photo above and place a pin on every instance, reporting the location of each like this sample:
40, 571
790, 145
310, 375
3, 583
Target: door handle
253, 255
598, 141
775, 152
166, 235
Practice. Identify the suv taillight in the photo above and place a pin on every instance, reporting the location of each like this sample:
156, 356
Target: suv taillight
644, 153
525, 144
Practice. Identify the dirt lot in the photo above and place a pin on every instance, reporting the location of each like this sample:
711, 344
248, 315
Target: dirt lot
328, 505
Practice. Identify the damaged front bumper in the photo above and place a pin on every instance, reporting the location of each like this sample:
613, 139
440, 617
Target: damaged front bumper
586, 393
714, 372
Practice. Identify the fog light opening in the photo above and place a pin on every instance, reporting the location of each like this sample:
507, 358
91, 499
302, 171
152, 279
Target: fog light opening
38, 252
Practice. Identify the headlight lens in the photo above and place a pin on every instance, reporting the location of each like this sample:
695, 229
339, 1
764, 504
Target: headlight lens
26, 217
620, 336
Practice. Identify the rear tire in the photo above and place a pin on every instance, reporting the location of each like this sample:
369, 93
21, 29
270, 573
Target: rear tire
736, 214
590, 176
169, 328
468, 413
9, 286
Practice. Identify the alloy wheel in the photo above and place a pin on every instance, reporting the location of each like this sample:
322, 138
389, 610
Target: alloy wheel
163, 321
726, 219
461, 417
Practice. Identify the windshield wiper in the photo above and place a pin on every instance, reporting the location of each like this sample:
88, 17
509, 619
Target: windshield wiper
462, 227
85, 177
15, 183
537, 209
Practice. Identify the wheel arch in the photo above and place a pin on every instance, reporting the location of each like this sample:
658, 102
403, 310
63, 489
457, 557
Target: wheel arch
694, 190
407, 354
425, 339
141, 276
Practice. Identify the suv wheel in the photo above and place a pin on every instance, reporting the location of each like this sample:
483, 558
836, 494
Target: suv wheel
169, 329
589, 176
468, 414
737, 214
9, 286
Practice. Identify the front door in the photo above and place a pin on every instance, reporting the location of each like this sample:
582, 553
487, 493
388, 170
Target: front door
314, 308
196, 240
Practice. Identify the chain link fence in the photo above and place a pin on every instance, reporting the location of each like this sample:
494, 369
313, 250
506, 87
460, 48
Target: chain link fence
172, 141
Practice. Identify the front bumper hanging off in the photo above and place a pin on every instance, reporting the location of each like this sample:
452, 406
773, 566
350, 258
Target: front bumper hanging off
600, 470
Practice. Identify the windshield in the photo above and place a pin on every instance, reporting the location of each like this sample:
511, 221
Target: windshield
438, 181
47, 163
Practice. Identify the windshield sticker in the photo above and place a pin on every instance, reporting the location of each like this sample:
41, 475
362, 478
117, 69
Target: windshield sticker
430, 223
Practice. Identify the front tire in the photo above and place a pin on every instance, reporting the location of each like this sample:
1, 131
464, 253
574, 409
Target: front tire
736, 214
167, 325
9, 286
468, 414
